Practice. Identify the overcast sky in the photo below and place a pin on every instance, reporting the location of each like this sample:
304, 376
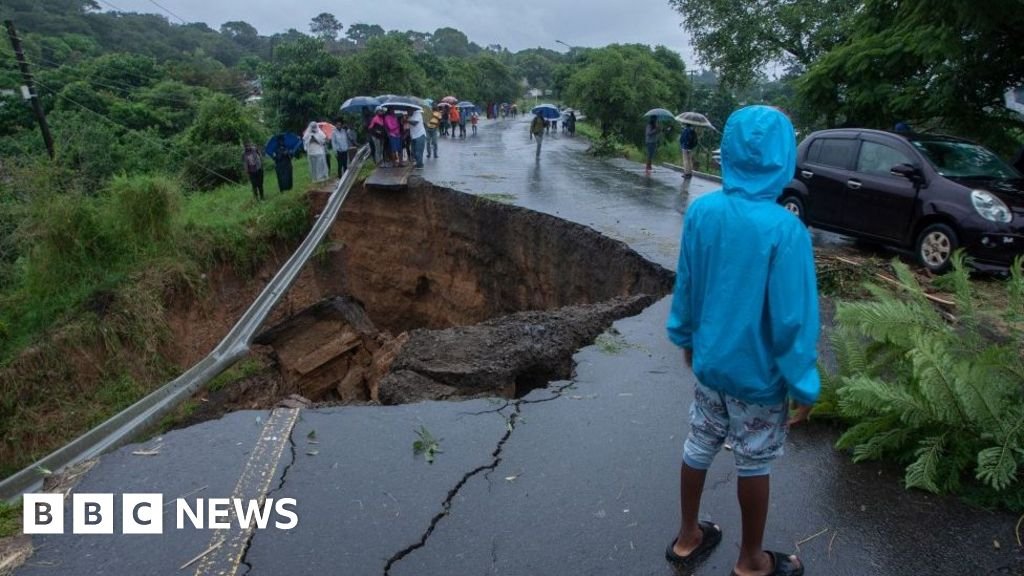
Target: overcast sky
515, 24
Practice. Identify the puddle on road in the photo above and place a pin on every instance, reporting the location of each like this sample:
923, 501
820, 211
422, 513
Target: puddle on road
446, 295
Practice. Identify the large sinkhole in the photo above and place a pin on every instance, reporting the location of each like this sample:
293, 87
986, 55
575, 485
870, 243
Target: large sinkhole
447, 295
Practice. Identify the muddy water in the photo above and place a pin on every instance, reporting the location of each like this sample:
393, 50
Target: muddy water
446, 295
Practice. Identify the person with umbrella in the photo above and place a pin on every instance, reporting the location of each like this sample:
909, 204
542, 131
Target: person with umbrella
537, 126
315, 141
418, 134
379, 135
687, 144
281, 148
456, 118
652, 134
394, 133
253, 161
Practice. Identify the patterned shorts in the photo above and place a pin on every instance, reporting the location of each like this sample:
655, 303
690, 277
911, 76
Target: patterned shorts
755, 432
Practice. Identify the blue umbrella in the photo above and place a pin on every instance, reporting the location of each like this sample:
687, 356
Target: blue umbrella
357, 103
466, 104
549, 111
291, 142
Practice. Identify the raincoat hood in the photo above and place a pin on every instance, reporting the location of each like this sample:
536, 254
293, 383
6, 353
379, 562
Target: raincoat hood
758, 153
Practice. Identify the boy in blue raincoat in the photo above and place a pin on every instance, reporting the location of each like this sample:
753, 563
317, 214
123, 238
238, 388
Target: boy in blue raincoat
745, 313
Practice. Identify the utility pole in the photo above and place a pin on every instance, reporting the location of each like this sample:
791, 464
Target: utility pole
29, 91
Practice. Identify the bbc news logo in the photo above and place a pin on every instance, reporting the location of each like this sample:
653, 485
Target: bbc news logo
144, 513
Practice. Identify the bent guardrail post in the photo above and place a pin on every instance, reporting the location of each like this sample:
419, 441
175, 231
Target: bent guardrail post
125, 425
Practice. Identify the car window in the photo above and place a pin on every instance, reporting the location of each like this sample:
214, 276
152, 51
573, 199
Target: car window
964, 160
879, 159
813, 151
838, 153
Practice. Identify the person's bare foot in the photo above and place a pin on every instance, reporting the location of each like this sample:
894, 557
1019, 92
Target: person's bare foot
764, 565
683, 547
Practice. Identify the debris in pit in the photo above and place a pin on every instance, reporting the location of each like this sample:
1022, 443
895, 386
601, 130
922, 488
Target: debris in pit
331, 351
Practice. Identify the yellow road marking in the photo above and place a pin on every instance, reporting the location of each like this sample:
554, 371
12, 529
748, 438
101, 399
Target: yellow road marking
229, 545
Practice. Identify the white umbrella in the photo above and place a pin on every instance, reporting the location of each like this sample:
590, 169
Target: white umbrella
695, 119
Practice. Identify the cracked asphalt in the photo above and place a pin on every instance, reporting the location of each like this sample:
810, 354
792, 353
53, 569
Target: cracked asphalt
577, 478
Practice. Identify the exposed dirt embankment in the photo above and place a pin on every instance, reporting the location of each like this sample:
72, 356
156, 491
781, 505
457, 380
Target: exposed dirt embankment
129, 341
433, 257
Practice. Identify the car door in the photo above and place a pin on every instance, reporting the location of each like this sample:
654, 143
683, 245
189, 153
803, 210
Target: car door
825, 171
878, 202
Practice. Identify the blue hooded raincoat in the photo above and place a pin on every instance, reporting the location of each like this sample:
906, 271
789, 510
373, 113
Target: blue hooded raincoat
746, 299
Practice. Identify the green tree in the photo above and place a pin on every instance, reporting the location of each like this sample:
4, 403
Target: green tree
738, 39
294, 84
495, 81
617, 84
362, 33
211, 148
940, 65
450, 42
325, 27
388, 65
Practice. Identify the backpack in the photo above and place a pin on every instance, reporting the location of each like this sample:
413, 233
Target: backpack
252, 161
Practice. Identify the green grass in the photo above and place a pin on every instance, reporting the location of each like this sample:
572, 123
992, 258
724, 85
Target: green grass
97, 273
668, 151
498, 197
10, 519
241, 369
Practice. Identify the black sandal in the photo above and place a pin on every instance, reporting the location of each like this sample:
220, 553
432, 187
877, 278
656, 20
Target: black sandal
782, 565
711, 535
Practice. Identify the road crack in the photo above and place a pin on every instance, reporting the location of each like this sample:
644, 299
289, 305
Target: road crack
446, 506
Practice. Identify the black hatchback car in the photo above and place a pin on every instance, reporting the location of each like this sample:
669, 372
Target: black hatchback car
927, 193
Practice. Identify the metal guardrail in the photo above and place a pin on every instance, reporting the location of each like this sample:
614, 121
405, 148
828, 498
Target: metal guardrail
121, 428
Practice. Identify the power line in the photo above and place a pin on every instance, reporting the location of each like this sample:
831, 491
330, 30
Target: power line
120, 125
155, 3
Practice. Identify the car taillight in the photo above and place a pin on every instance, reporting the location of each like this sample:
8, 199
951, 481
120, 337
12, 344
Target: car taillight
990, 207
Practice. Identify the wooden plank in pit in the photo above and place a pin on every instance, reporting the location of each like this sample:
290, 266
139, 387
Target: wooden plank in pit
390, 178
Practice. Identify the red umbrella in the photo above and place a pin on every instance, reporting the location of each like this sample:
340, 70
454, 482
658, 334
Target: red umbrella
326, 127
450, 100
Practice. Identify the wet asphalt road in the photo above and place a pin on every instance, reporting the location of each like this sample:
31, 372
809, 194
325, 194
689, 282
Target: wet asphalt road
580, 478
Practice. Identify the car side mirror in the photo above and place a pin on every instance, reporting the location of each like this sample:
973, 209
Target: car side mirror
908, 171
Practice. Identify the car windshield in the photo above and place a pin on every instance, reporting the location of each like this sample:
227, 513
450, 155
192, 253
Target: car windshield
964, 160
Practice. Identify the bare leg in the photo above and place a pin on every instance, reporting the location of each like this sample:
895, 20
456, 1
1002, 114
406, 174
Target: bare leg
691, 486
753, 493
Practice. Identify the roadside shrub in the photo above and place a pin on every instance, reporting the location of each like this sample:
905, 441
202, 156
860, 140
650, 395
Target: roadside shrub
143, 208
940, 392
208, 167
65, 240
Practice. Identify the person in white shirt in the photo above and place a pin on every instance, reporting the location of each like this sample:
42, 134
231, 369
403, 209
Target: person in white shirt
314, 140
418, 134
341, 140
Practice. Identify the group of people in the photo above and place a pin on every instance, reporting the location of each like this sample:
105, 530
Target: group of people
687, 144
399, 136
315, 141
453, 118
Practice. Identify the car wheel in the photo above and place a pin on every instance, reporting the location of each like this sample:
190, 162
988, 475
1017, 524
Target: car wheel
794, 206
935, 247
